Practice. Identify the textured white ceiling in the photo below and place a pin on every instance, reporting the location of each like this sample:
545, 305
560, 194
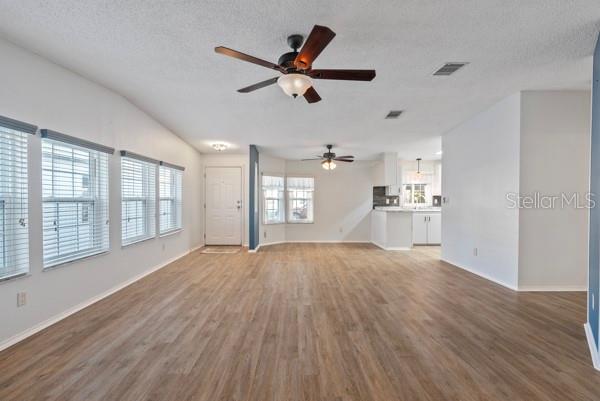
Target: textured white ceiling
159, 54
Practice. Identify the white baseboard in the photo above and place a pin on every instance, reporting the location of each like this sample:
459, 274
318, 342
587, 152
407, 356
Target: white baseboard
305, 242
552, 288
377, 244
592, 345
265, 244
325, 242
55, 319
485, 276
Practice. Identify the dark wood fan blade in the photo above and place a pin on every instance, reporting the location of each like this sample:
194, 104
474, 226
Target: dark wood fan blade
343, 160
311, 95
317, 158
319, 38
258, 85
245, 57
345, 157
345, 75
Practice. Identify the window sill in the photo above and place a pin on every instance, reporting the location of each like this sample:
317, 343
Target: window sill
137, 241
68, 262
14, 277
171, 232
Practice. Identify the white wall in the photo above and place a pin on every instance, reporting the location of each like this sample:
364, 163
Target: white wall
555, 150
343, 202
231, 160
41, 93
480, 165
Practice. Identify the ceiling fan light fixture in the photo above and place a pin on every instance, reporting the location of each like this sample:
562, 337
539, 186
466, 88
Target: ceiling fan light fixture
294, 84
328, 165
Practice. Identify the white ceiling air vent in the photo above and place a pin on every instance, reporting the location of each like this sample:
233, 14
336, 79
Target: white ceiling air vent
393, 114
449, 68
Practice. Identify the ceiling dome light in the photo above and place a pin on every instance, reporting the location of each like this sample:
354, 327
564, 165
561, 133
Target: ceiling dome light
294, 84
219, 147
328, 165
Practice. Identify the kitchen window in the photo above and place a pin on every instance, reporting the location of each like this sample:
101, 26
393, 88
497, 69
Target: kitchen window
75, 198
415, 194
273, 199
300, 199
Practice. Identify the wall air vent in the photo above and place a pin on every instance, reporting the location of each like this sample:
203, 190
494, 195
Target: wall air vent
449, 69
393, 114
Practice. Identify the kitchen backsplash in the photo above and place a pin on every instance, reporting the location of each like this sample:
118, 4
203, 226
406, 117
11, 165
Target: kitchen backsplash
381, 199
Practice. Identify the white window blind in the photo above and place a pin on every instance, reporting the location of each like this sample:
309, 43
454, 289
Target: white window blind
14, 234
273, 199
300, 194
138, 200
75, 201
170, 199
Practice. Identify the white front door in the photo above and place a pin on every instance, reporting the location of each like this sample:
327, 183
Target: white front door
224, 206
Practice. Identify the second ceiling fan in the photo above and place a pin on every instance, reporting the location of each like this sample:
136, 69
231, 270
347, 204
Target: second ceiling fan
296, 67
329, 158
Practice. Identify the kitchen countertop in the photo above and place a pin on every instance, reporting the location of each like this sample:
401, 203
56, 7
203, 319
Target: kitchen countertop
407, 210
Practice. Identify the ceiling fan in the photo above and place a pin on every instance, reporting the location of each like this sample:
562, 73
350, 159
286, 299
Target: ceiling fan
328, 159
296, 67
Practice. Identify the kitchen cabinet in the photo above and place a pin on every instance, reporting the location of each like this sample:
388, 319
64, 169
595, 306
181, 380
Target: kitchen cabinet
427, 228
390, 172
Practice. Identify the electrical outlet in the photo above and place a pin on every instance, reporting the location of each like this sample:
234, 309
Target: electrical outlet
475, 251
21, 299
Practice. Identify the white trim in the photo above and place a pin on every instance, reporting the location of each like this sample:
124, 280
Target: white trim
325, 242
592, 345
57, 318
485, 276
552, 288
390, 248
170, 232
306, 242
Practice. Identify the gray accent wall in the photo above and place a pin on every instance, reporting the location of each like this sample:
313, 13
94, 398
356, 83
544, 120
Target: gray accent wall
594, 244
253, 207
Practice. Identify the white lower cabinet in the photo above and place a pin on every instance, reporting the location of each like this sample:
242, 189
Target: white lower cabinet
427, 228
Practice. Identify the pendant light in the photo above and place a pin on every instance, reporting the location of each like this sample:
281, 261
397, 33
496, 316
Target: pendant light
418, 166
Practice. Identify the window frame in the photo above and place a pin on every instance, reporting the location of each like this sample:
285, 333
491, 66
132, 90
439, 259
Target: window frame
149, 187
14, 229
425, 190
287, 198
99, 199
282, 201
174, 199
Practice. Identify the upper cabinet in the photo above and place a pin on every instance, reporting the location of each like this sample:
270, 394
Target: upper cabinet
390, 173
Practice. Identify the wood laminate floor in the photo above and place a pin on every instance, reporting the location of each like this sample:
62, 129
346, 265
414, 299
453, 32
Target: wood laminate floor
311, 322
